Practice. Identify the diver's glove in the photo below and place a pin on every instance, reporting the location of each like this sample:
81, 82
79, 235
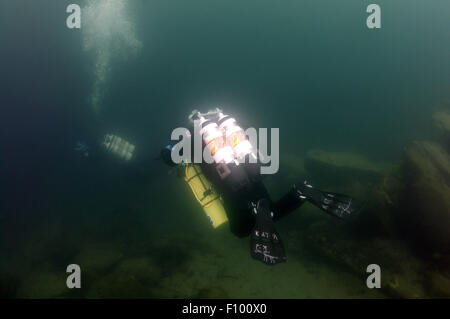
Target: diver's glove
338, 205
265, 242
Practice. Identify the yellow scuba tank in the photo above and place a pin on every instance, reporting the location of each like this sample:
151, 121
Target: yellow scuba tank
205, 195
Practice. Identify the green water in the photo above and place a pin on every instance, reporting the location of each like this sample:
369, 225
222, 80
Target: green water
311, 68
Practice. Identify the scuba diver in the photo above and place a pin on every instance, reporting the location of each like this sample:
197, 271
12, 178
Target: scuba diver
230, 188
111, 145
116, 155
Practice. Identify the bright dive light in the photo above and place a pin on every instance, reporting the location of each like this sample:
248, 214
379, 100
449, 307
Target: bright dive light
215, 143
235, 136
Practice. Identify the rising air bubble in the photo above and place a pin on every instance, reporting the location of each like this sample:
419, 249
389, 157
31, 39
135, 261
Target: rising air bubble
109, 35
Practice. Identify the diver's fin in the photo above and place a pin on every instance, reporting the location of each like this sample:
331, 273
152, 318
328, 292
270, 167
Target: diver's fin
335, 204
265, 242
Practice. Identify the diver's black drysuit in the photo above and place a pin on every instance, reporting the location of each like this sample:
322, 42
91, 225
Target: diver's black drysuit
250, 210
242, 189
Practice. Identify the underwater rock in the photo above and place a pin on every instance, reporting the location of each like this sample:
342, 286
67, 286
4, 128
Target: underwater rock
212, 293
141, 268
382, 203
441, 124
97, 257
8, 285
424, 204
401, 287
341, 167
401, 272
43, 285
116, 285
349, 252
413, 203
438, 285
